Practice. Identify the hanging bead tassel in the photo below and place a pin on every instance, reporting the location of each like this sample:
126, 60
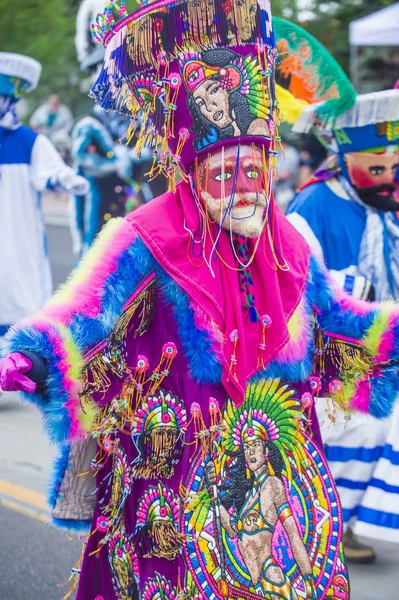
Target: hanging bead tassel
266, 322
233, 358
245, 278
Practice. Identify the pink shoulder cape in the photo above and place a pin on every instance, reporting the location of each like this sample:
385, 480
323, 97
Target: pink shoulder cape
163, 226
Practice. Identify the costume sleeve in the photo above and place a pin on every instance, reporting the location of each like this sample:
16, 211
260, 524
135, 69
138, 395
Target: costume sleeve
306, 214
79, 317
356, 349
47, 166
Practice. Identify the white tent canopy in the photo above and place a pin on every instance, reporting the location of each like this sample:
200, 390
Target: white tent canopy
378, 29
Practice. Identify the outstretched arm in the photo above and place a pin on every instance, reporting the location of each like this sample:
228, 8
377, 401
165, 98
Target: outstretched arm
80, 316
49, 171
357, 347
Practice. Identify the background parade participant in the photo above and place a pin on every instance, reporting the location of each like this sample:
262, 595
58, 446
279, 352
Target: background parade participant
178, 367
347, 211
97, 152
29, 164
52, 118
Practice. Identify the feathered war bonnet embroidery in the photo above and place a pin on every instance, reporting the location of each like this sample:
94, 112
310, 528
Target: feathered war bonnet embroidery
151, 58
270, 415
156, 532
159, 588
158, 431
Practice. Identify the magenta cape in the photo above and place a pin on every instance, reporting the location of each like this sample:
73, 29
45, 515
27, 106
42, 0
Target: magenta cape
160, 225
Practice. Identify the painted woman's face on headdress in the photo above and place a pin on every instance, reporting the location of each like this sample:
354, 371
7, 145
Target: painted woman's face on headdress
201, 14
212, 100
233, 189
245, 11
211, 88
226, 97
139, 39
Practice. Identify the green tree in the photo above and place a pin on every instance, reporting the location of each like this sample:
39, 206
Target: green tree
330, 23
45, 30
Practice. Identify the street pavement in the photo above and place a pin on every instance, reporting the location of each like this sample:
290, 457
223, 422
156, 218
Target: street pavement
35, 557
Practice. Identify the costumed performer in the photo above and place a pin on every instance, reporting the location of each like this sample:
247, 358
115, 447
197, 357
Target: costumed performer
177, 369
347, 211
97, 154
29, 164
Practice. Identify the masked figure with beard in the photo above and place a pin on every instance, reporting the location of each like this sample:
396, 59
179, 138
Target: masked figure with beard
348, 212
194, 319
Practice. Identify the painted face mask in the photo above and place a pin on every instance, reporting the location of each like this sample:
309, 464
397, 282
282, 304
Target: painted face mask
372, 174
233, 188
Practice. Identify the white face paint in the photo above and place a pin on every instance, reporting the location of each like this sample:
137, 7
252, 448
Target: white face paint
235, 194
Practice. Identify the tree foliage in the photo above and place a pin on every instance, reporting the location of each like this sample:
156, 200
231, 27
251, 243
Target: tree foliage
329, 21
45, 30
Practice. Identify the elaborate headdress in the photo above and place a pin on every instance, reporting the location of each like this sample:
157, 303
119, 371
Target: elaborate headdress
372, 122
18, 74
192, 75
158, 430
159, 589
355, 122
310, 73
159, 506
269, 413
160, 410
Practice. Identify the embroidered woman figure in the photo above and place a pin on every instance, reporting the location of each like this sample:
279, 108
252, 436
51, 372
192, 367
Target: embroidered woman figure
259, 499
224, 96
259, 436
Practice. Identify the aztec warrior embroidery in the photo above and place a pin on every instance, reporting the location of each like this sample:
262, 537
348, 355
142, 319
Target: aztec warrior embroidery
256, 516
260, 511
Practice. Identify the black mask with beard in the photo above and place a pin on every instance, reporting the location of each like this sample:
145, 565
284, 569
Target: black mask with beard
374, 196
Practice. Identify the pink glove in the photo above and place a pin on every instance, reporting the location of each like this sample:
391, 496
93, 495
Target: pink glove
12, 378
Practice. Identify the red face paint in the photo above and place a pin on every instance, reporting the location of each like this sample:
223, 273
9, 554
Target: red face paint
247, 177
368, 169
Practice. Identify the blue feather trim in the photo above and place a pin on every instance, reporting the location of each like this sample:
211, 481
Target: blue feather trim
134, 264
56, 419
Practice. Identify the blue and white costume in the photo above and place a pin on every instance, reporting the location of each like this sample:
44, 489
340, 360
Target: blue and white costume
29, 164
108, 166
360, 246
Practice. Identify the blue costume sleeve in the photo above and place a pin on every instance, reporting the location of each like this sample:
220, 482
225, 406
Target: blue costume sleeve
311, 206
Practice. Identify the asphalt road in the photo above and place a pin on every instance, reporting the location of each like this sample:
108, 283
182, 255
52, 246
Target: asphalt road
35, 557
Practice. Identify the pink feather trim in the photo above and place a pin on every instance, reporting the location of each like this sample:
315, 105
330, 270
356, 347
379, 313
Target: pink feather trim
361, 398
70, 386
